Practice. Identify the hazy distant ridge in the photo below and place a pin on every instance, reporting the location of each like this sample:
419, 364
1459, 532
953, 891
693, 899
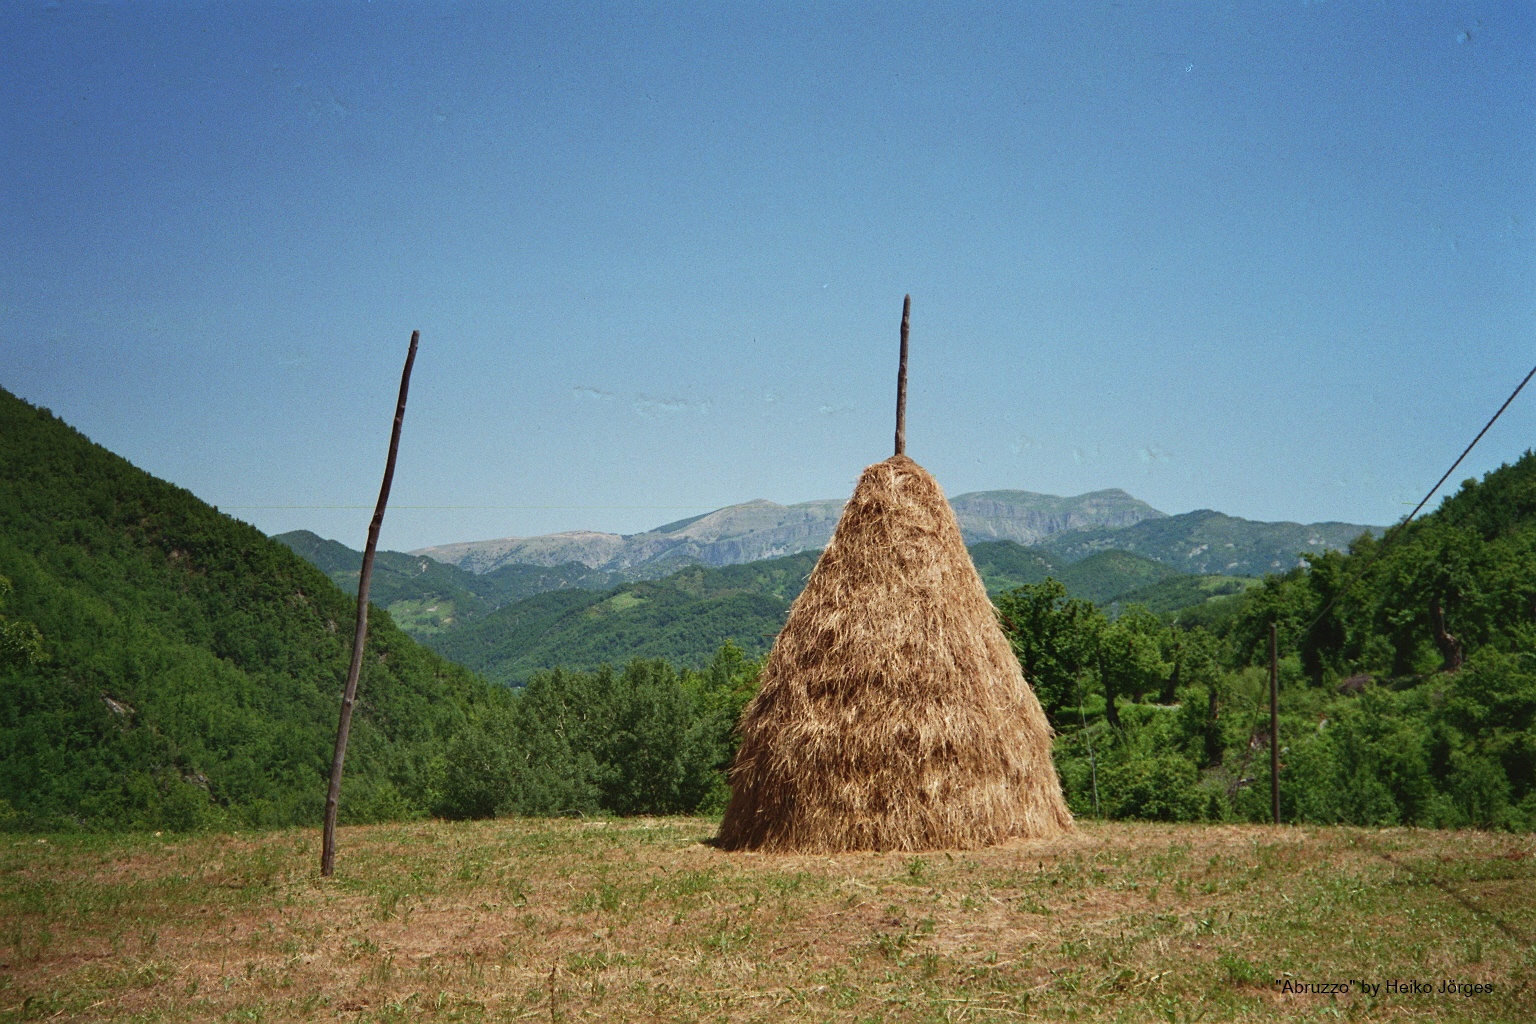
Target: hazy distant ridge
761, 529
1210, 542
1028, 518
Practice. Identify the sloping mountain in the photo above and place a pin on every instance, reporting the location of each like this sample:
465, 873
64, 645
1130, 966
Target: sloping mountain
1206, 542
1100, 577
762, 529
194, 667
1178, 592
426, 596
685, 617
1028, 518
741, 533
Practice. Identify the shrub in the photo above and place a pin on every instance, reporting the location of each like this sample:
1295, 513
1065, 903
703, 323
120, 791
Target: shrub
1158, 787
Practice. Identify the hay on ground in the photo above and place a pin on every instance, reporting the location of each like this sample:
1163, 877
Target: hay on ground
893, 714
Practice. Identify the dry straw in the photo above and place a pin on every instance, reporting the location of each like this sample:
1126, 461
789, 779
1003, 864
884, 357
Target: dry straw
893, 714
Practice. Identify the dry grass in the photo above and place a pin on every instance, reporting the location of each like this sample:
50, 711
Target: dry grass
638, 920
892, 713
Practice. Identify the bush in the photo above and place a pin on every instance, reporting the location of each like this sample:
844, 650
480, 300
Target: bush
1368, 766
1159, 787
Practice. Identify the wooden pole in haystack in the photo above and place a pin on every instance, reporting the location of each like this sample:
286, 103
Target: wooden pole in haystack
1274, 724
360, 634
901, 380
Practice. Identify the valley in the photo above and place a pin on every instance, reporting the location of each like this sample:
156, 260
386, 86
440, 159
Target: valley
512, 607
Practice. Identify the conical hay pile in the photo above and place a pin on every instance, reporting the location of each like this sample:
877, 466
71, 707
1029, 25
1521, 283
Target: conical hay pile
892, 714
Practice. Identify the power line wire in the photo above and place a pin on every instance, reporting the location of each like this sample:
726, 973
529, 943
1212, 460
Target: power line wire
1398, 530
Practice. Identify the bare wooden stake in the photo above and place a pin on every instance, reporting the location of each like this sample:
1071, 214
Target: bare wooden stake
360, 634
901, 380
1274, 724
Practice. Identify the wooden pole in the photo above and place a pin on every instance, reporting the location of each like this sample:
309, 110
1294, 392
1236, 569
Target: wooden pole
1274, 724
901, 380
360, 634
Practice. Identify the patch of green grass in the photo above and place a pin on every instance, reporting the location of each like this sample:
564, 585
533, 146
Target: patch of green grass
424, 617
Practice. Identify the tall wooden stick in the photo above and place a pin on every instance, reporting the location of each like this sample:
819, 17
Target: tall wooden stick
360, 634
1274, 724
901, 380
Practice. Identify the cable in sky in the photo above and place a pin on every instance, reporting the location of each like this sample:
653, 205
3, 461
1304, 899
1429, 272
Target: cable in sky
1397, 530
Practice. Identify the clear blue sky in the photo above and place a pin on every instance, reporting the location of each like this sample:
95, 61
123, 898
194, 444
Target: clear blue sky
1272, 258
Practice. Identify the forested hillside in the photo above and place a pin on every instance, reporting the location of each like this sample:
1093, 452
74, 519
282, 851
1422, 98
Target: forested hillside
1162, 562
1408, 681
185, 669
165, 666
683, 619
1099, 578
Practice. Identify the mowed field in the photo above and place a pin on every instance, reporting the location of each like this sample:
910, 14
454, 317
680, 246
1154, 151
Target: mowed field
638, 919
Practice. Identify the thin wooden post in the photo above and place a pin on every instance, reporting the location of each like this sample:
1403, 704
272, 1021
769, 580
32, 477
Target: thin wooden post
901, 380
360, 634
1274, 724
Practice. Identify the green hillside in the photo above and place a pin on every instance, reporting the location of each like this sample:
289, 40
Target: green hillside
1003, 564
1457, 581
1180, 593
1162, 562
426, 597
683, 618
437, 602
190, 668
520, 619
1100, 577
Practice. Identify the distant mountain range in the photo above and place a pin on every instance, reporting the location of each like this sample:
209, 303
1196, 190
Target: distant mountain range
1071, 529
685, 617
510, 607
426, 596
760, 529
1205, 542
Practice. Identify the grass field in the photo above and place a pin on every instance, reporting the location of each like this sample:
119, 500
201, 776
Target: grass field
637, 920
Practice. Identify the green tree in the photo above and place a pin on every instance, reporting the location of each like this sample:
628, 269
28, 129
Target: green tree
1131, 656
20, 642
1056, 639
655, 756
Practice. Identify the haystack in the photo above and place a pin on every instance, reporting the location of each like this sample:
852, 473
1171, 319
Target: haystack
893, 714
